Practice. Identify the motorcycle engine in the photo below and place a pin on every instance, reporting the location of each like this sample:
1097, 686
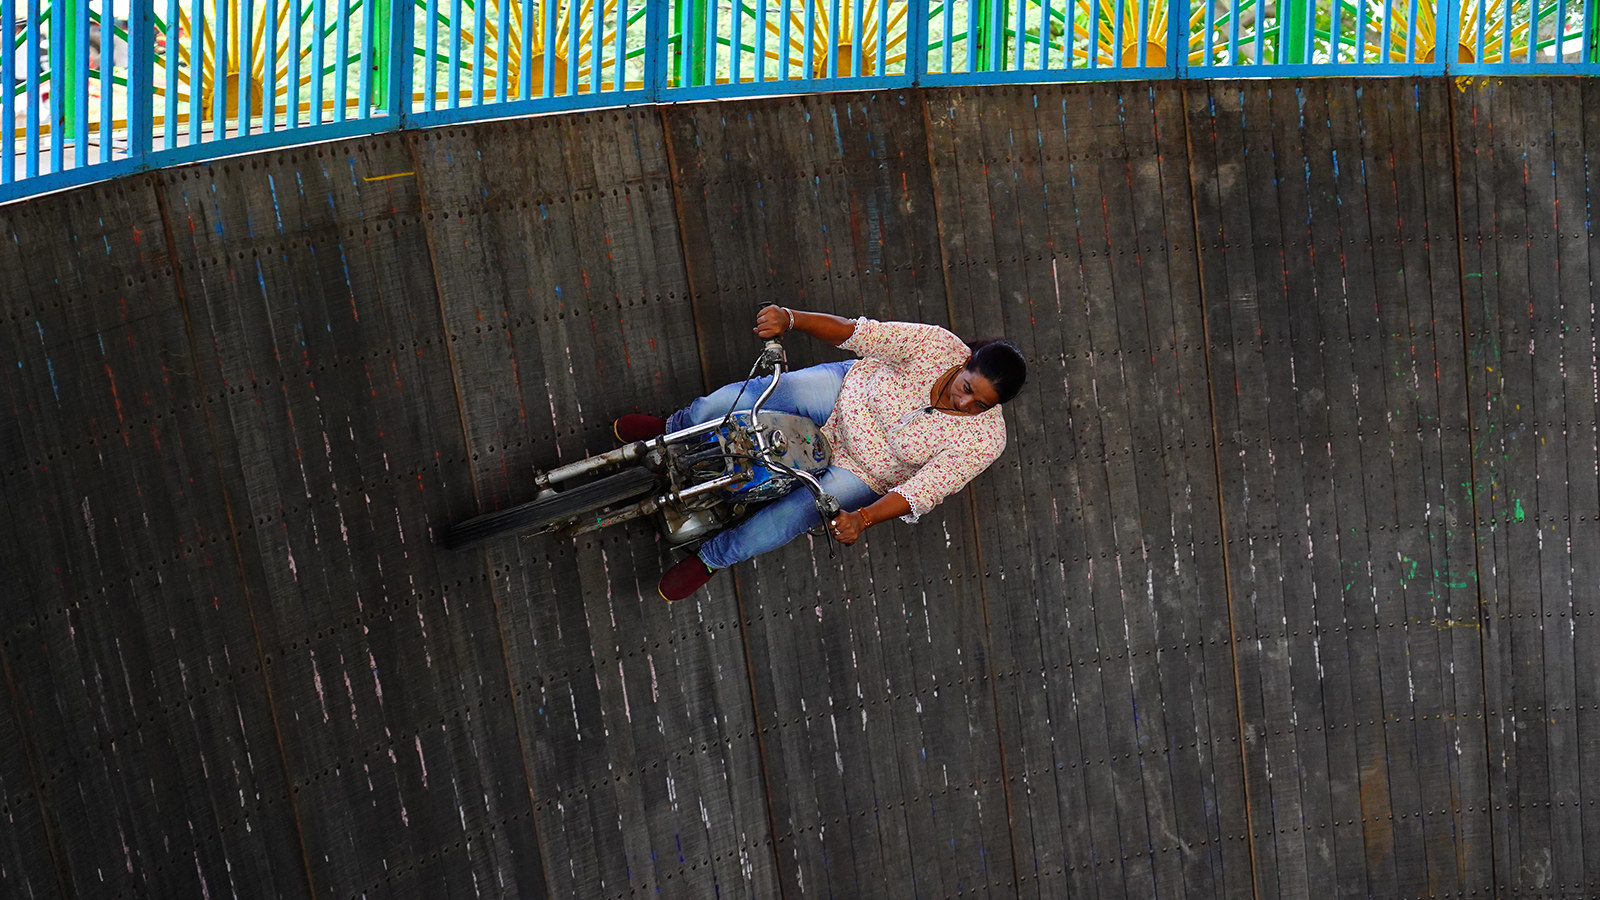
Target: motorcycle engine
681, 527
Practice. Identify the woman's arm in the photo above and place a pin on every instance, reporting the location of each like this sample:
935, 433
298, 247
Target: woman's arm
847, 526
775, 320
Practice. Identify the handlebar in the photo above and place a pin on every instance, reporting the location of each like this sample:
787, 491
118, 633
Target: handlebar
775, 360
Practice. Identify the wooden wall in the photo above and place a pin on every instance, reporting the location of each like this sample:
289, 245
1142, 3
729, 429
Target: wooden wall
1283, 587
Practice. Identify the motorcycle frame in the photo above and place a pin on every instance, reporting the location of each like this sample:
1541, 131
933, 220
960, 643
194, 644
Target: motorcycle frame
773, 358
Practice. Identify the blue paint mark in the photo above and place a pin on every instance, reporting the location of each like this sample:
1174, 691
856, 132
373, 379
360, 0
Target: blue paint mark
277, 212
261, 282
49, 364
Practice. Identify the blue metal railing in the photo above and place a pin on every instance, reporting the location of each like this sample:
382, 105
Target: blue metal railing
92, 89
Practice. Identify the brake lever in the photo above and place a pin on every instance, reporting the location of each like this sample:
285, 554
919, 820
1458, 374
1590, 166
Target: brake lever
828, 507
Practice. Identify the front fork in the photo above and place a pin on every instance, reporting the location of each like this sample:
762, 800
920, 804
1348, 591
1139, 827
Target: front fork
627, 454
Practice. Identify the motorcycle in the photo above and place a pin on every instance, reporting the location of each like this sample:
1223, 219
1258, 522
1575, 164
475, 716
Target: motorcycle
694, 482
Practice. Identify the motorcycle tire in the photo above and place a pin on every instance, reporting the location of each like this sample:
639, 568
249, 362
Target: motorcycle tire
537, 515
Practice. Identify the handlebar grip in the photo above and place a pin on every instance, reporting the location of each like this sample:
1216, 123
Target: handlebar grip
774, 354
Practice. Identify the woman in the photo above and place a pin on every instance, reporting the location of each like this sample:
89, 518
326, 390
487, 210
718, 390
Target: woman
910, 422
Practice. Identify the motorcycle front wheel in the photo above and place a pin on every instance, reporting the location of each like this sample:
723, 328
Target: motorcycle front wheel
540, 515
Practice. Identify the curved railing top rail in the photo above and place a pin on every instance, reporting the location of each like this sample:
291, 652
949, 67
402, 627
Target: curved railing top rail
93, 89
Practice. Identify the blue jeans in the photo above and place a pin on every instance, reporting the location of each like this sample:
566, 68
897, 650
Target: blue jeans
812, 393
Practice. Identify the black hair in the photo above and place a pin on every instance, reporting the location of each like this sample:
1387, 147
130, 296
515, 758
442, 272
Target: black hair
1001, 362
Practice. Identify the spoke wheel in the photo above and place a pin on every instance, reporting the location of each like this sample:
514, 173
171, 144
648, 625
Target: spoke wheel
548, 513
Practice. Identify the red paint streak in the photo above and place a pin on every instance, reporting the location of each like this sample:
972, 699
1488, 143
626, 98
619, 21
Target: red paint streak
116, 397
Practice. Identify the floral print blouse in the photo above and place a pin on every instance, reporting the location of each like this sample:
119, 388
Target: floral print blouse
883, 429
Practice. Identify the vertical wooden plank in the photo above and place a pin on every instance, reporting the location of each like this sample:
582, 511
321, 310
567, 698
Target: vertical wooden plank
1457, 576
1293, 353
1322, 362
1204, 770
1045, 749
962, 739
1243, 408
1452, 769
1486, 378
1517, 326
1102, 678
1550, 331
1395, 503
1027, 286
1216, 175
1139, 278
1578, 127
1370, 565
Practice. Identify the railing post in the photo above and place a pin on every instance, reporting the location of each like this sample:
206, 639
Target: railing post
1292, 46
1592, 40
1178, 37
401, 25
980, 25
656, 16
382, 59
73, 58
691, 62
1448, 36
58, 64
141, 73
917, 41
8, 92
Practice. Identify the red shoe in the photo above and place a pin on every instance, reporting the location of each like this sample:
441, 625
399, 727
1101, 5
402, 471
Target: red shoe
683, 579
636, 427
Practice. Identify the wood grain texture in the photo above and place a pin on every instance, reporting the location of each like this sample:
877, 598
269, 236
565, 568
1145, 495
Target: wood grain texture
1282, 587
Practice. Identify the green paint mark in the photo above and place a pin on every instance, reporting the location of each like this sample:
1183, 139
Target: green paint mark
1518, 513
1473, 275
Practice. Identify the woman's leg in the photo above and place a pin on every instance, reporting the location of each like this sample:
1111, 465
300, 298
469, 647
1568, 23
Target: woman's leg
783, 520
809, 392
